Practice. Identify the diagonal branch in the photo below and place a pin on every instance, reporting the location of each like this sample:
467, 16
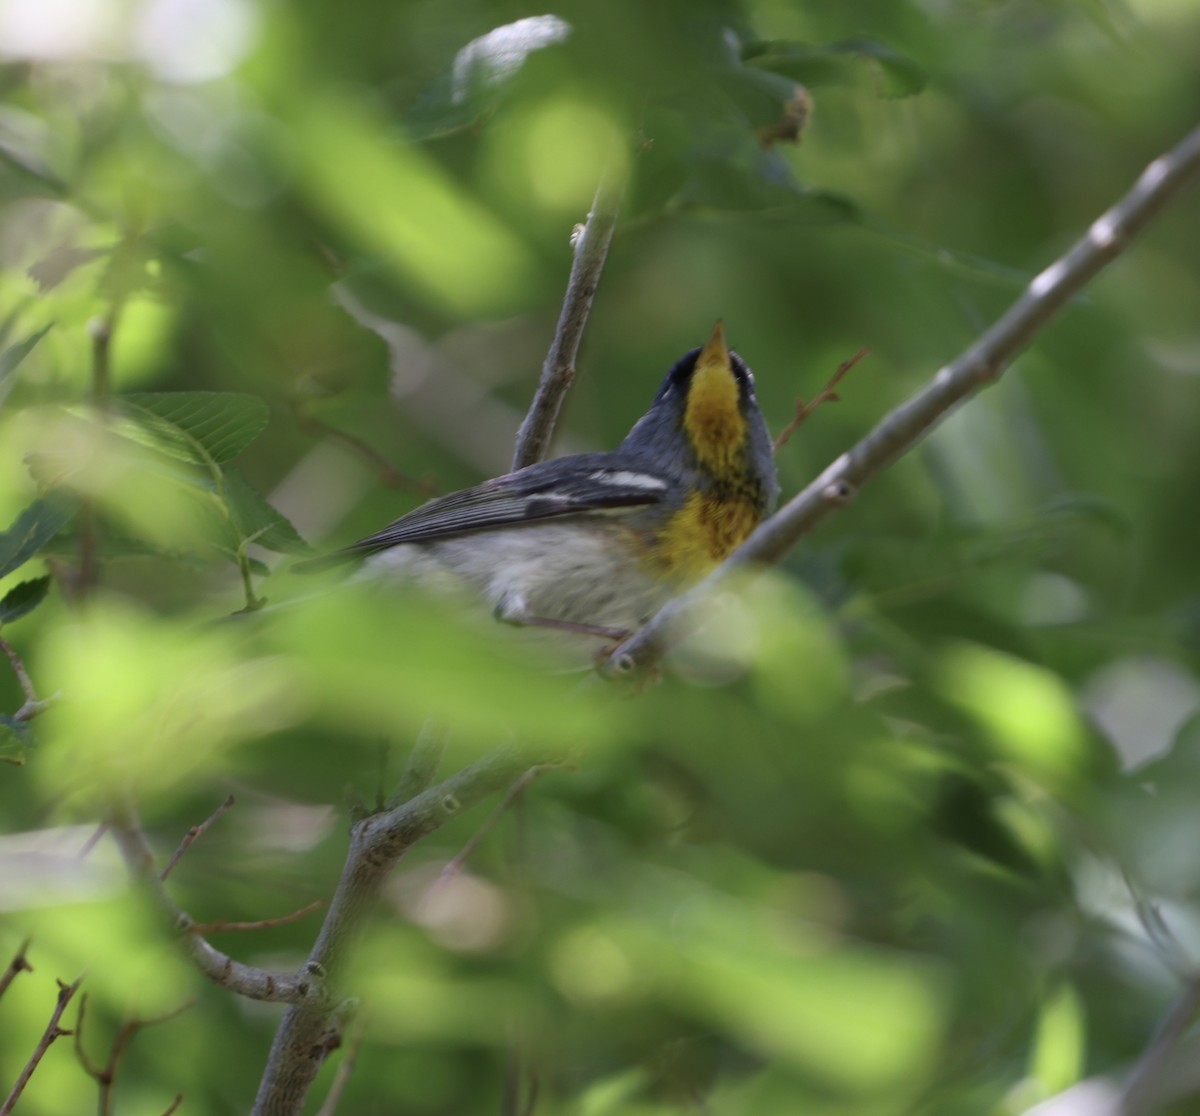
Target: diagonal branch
312, 1028
591, 250
190, 837
52, 1032
909, 423
220, 968
19, 964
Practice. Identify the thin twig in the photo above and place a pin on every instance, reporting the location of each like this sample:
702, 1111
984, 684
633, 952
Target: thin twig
220, 968
423, 762
1137, 1094
1168, 947
342, 1077
385, 471
174, 1104
904, 427
189, 838
376, 843
828, 394
19, 964
106, 1075
92, 841
455, 865
260, 924
101, 331
33, 705
591, 250
52, 1032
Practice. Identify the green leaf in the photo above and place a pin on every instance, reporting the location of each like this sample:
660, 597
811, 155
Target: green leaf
222, 423
482, 72
32, 530
25, 142
23, 598
14, 354
16, 738
257, 521
836, 63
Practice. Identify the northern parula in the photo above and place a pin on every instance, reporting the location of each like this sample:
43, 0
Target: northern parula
596, 543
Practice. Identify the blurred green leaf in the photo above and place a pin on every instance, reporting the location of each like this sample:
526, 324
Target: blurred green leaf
24, 146
833, 63
480, 75
16, 738
1060, 1041
23, 598
11, 357
33, 529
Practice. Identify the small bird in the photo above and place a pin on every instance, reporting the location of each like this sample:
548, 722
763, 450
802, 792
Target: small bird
596, 543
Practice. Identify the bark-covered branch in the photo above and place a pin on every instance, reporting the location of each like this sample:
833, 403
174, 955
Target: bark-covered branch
220, 968
591, 250
311, 1028
53, 1031
904, 427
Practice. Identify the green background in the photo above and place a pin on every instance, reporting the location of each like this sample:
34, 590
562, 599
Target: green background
880, 841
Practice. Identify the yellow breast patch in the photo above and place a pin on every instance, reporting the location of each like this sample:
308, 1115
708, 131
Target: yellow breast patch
703, 532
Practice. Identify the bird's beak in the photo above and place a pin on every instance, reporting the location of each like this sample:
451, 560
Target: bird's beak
714, 354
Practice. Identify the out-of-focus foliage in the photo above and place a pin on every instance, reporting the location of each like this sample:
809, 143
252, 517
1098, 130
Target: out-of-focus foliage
910, 827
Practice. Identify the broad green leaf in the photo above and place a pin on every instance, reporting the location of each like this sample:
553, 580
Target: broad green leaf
32, 530
257, 521
23, 598
11, 357
222, 423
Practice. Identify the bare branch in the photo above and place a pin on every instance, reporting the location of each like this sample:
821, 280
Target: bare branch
101, 331
386, 472
828, 394
19, 964
342, 1077
591, 250
909, 423
106, 1076
174, 1104
190, 836
32, 705
423, 762
92, 841
454, 866
376, 843
1139, 1092
259, 924
52, 1032
220, 968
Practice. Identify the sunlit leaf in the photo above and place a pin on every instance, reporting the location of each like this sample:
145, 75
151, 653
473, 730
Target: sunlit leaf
443, 242
1060, 1041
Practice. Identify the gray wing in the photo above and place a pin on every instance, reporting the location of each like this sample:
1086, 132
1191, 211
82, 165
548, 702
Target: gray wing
547, 490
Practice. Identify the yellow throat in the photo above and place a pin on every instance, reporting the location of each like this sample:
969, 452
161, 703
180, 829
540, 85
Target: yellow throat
713, 420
